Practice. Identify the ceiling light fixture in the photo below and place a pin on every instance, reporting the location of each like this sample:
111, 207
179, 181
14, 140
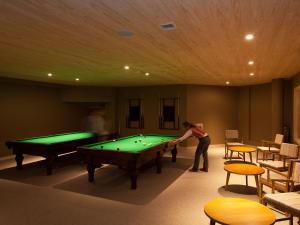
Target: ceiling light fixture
49, 74
126, 67
77, 79
249, 37
251, 74
147, 74
227, 82
250, 62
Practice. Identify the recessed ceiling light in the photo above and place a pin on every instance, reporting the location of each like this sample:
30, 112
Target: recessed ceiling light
227, 82
250, 62
49, 74
147, 74
249, 37
126, 67
77, 79
251, 74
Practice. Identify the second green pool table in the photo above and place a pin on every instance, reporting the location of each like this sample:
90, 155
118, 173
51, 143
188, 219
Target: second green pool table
129, 152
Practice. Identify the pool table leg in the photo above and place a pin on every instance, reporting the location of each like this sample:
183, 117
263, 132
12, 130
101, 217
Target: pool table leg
174, 153
212, 222
91, 170
19, 159
49, 164
158, 162
133, 176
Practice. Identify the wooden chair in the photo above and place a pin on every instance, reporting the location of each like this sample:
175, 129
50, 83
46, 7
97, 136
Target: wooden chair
269, 147
232, 139
286, 153
281, 181
287, 203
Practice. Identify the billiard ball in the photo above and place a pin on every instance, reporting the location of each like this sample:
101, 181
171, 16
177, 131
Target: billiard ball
114, 140
135, 142
101, 146
118, 149
141, 135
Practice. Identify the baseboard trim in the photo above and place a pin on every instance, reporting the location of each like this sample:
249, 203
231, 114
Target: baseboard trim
194, 146
4, 158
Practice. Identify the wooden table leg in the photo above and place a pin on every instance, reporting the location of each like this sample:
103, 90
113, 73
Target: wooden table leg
227, 180
212, 222
250, 155
257, 184
231, 153
246, 180
244, 156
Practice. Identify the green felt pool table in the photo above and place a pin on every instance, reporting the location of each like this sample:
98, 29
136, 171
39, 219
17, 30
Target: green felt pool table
130, 153
50, 146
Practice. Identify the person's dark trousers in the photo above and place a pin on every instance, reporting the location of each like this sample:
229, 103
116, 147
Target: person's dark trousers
202, 149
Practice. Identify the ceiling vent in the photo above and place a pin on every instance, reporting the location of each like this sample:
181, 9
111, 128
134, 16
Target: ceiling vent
168, 26
125, 33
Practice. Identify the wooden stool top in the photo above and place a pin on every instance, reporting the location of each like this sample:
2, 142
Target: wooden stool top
238, 211
244, 169
242, 148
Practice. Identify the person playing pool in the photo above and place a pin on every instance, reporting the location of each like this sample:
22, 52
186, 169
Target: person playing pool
197, 131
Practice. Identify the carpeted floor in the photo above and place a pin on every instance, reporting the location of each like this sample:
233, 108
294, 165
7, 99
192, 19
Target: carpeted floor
175, 197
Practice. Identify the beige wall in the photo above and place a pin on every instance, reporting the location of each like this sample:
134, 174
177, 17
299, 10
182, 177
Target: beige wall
244, 112
93, 96
215, 106
295, 128
254, 113
260, 113
34, 110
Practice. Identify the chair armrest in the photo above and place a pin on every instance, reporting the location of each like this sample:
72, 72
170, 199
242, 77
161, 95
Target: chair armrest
287, 181
276, 171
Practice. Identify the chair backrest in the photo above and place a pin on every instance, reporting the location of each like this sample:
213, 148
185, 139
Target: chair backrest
289, 150
278, 139
231, 134
296, 171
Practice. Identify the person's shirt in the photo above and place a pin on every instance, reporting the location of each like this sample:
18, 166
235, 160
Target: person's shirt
194, 131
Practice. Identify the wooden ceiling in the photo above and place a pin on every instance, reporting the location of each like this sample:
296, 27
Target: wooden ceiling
79, 38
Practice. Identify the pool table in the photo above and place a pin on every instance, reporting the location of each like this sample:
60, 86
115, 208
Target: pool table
50, 146
129, 153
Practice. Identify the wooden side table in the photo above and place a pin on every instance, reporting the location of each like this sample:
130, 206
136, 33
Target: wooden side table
243, 150
244, 169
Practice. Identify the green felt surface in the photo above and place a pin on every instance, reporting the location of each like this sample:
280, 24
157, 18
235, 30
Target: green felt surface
133, 144
54, 139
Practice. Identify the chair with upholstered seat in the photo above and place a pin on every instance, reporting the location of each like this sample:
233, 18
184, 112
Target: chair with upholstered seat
232, 138
286, 153
281, 181
269, 147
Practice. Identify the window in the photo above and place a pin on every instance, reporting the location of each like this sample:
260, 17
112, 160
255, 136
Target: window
134, 118
169, 113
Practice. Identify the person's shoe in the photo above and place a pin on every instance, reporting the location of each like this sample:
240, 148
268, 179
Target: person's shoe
193, 170
204, 170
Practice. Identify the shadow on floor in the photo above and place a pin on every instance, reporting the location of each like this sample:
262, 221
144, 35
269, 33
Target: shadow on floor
114, 184
34, 173
233, 189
